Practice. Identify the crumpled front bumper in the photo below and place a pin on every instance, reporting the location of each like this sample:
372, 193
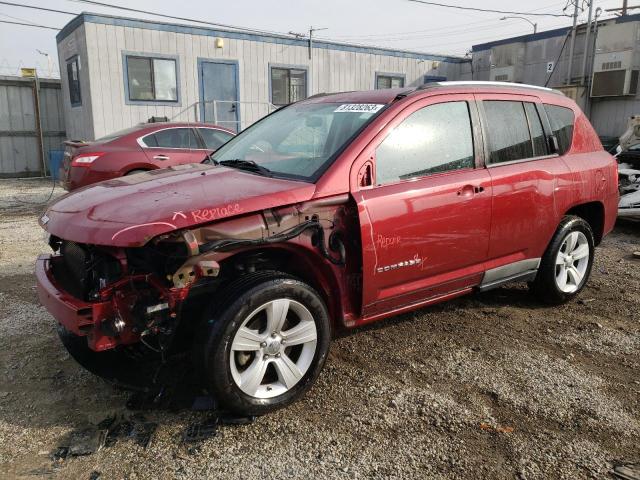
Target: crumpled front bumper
77, 316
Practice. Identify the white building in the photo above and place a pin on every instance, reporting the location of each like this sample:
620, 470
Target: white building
117, 72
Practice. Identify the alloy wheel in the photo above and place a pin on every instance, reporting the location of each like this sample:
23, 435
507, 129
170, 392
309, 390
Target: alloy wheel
273, 348
572, 262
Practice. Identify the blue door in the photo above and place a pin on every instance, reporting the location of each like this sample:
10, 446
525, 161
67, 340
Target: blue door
219, 93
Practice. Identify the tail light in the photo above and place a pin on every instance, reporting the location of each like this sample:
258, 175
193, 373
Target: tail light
85, 159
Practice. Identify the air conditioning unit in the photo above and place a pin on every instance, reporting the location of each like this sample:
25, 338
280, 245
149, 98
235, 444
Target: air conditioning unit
614, 75
503, 74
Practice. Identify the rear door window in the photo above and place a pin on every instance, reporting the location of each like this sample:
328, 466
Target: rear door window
508, 131
173, 138
561, 120
537, 133
213, 138
434, 139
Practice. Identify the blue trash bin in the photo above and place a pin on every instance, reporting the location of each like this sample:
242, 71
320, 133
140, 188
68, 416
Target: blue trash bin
55, 162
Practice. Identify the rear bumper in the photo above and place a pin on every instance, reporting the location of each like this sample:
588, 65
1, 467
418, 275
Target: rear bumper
76, 177
77, 316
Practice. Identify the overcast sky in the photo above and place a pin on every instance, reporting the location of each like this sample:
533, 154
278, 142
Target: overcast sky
389, 23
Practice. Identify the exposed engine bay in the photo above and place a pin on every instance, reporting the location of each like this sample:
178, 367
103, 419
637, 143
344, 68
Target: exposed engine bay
143, 294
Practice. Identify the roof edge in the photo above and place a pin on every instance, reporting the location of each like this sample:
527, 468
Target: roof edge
549, 33
88, 17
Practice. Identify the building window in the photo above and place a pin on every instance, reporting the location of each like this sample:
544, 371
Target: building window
389, 80
152, 79
288, 85
435, 139
73, 78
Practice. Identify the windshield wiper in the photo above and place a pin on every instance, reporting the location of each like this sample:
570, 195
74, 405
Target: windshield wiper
249, 165
210, 160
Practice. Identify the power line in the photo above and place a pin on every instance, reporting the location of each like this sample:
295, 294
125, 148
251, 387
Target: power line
486, 10
17, 18
447, 28
21, 5
184, 19
29, 25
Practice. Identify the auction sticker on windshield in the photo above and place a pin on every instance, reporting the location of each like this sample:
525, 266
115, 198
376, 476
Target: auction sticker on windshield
359, 108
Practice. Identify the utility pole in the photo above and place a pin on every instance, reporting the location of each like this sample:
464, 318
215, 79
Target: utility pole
624, 10
586, 45
573, 41
311, 30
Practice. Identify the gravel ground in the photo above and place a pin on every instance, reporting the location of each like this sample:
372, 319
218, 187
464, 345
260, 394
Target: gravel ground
492, 385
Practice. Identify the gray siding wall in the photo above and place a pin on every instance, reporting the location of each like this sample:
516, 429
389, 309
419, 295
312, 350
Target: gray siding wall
19, 143
608, 115
104, 109
78, 119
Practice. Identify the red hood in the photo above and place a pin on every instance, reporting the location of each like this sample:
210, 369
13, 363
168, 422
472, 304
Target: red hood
129, 211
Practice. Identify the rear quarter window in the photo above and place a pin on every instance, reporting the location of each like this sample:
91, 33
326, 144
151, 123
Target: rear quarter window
562, 121
213, 138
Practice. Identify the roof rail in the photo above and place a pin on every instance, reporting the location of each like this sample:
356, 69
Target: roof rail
476, 83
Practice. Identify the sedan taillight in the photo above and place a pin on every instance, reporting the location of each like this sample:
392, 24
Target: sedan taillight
85, 159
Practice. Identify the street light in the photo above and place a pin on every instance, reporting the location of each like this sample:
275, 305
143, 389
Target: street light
49, 61
534, 25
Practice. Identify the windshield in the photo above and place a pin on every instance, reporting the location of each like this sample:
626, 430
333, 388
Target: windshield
299, 141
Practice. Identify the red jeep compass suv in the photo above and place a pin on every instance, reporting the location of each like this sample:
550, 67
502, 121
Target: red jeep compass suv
330, 213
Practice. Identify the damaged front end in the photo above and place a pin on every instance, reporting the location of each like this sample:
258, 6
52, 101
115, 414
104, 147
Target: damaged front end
629, 184
113, 296
122, 296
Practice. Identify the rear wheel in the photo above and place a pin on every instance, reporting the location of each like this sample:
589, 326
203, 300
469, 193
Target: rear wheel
566, 265
133, 172
266, 345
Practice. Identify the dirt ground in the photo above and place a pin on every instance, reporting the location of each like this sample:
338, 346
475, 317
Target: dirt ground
492, 385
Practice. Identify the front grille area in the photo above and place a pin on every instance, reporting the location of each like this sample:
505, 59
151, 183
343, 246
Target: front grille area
84, 270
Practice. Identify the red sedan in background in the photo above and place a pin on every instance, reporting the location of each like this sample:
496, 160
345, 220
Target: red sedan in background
144, 147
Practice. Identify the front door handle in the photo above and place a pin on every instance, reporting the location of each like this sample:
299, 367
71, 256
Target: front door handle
466, 191
160, 157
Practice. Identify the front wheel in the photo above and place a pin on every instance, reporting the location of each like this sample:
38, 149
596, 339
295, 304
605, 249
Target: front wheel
566, 265
265, 347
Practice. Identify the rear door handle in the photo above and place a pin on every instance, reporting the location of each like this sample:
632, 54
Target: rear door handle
470, 190
160, 157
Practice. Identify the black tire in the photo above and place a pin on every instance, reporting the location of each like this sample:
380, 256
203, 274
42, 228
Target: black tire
545, 286
224, 317
130, 368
